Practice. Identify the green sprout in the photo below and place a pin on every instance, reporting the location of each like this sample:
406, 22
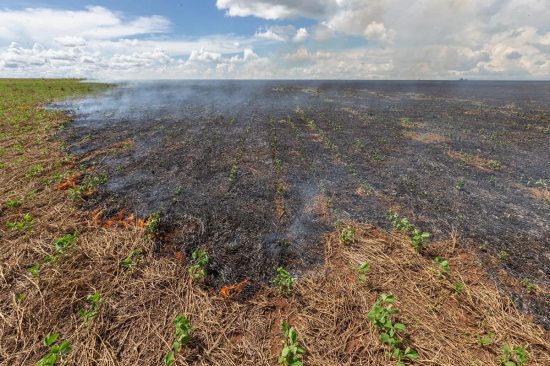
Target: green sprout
292, 353
284, 281
347, 235
363, 269
200, 259
183, 334
55, 351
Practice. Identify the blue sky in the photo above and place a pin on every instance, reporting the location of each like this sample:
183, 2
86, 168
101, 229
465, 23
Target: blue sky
327, 39
189, 17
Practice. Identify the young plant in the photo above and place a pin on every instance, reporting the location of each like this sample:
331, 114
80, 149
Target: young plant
459, 287
419, 239
529, 286
87, 188
13, 203
494, 164
25, 223
35, 270
347, 235
284, 281
35, 171
233, 173
513, 356
367, 188
55, 352
132, 259
381, 316
363, 269
502, 255
152, 224
401, 224
92, 309
183, 334
487, 339
292, 353
65, 242
442, 266
200, 259
459, 185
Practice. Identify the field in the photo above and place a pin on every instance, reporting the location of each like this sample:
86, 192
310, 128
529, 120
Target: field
117, 194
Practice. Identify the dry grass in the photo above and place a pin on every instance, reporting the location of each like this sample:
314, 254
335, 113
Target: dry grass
473, 160
328, 305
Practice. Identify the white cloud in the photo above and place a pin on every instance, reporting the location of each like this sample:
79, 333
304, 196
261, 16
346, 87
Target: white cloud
301, 35
391, 39
95, 22
70, 41
426, 38
377, 32
203, 55
283, 34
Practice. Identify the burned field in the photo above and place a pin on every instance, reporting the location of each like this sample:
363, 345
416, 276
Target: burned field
257, 172
103, 255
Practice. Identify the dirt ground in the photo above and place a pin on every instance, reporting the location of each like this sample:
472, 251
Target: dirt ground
256, 172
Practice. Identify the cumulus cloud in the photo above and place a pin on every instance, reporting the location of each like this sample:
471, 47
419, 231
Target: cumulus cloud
393, 39
94, 22
283, 34
427, 38
203, 55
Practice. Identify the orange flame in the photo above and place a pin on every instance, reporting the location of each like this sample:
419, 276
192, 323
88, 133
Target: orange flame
230, 290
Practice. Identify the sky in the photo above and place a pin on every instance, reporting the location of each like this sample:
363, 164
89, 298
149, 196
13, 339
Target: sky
276, 39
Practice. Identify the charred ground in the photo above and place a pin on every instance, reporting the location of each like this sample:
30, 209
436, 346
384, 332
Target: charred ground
256, 172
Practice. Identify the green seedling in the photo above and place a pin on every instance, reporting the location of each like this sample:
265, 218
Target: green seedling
502, 255
35, 171
363, 269
442, 266
153, 224
35, 270
132, 259
513, 356
367, 187
13, 203
487, 339
401, 224
459, 287
92, 309
183, 334
88, 186
25, 223
51, 258
419, 239
494, 164
233, 173
529, 286
292, 353
278, 164
347, 235
381, 316
200, 259
20, 297
459, 185
65, 242
55, 352
284, 281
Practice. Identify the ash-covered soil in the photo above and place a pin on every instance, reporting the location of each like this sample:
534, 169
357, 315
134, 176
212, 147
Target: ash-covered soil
257, 172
